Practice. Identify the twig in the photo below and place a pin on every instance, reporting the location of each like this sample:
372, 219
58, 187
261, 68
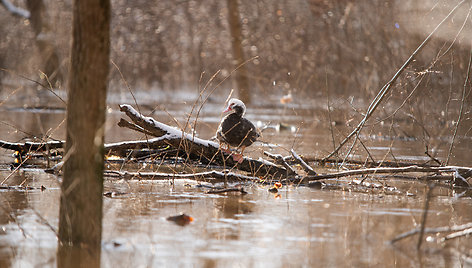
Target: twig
310, 171
461, 110
329, 111
241, 190
16, 10
20, 187
201, 176
443, 229
34, 81
431, 157
279, 159
460, 180
386, 88
45, 222
14, 219
150, 143
457, 234
425, 215
434, 177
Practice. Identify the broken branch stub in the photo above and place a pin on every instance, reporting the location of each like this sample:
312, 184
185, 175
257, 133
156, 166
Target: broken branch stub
206, 150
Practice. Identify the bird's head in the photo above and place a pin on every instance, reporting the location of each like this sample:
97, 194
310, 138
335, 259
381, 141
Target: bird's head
236, 106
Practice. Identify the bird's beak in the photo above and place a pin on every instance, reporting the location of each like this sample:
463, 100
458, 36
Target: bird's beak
227, 109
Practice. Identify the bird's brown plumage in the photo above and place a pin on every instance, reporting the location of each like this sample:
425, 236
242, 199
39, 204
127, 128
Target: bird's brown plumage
235, 130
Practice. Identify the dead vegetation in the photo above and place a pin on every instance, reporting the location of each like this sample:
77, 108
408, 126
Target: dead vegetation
184, 155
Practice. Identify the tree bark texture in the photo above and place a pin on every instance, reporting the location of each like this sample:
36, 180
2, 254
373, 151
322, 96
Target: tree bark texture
80, 220
241, 74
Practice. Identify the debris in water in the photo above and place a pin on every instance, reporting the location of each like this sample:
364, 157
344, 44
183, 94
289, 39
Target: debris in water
286, 98
113, 194
181, 219
276, 187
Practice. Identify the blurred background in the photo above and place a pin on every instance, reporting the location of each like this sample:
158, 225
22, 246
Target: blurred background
335, 54
309, 69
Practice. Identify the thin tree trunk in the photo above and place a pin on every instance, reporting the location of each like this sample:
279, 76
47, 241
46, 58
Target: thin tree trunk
242, 80
45, 41
80, 219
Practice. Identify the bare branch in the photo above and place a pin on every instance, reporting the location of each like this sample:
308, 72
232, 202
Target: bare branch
386, 88
212, 176
220, 191
443, 229
390, 170
17, 11
310, 171
279, 159
457, 234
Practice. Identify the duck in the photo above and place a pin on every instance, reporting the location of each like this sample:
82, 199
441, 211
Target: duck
235, 130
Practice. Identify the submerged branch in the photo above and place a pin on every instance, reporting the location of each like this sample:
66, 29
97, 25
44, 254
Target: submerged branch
368, 163
212, 176
443, 229
220, 191
389, 170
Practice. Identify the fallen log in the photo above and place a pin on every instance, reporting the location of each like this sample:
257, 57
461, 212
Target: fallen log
205, 150
31, 146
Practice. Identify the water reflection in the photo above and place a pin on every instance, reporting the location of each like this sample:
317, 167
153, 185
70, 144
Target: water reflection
299, 227
304, 227
12, 205
78, 256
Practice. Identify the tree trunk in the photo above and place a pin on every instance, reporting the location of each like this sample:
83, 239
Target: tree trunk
45, 41
80, 219
242, 80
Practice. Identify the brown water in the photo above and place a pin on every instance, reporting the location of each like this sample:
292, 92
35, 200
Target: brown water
300, 227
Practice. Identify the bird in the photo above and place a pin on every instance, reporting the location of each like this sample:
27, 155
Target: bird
235, 130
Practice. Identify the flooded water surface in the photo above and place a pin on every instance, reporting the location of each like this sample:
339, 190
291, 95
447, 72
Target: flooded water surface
309, 71
336, 226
